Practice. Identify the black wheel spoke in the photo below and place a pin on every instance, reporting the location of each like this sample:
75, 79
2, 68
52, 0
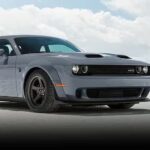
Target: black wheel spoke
40, 82
35, 88
36, 99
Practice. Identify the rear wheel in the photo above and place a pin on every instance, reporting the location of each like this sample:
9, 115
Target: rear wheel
40, 93
121, 106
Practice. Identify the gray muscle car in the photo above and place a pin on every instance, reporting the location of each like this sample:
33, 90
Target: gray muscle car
48, 72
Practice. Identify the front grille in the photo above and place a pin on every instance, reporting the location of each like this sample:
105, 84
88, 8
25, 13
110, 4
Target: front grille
114, 92
113, 70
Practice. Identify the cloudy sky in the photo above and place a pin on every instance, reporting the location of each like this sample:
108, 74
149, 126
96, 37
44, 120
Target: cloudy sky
115, 26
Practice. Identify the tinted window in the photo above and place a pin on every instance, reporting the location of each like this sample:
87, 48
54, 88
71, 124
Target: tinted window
44, 45
6, 46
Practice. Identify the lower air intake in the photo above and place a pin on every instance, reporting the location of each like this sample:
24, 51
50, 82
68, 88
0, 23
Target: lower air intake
113, 92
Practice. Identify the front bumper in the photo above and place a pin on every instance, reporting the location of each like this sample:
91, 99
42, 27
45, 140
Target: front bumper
73, 83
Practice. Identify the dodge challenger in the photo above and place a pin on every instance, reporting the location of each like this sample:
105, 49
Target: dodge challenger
47, 72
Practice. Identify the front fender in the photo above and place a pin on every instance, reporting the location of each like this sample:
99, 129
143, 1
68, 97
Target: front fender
51, 72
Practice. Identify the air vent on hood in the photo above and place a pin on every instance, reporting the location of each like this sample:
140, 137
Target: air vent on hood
123, 56
93, 56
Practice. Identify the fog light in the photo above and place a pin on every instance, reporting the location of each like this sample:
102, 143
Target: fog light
139, 70
84, 69
75, 69
145, 70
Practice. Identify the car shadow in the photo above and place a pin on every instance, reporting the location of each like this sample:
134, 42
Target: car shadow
77, 111
14, 106
101, 111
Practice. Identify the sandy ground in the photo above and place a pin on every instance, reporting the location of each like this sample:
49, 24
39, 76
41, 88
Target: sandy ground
99, 124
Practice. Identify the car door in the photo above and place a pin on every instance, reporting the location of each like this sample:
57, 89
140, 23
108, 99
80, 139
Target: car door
7, 70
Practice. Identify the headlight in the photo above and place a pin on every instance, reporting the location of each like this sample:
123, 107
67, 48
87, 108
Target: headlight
80, 69
139, 70
84, 69
75, 69
145, 70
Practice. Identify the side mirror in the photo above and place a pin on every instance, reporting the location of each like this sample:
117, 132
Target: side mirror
2, 52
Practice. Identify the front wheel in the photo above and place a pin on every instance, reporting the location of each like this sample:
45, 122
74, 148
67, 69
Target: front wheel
40, 93
121, 106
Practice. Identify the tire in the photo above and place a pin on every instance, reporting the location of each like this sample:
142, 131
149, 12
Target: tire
40, 93
121, 106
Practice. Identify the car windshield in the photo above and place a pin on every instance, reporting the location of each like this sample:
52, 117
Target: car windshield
28, 45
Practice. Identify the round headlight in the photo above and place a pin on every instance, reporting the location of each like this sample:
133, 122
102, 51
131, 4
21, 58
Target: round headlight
75, 69
145, 70
84, 69
139, 70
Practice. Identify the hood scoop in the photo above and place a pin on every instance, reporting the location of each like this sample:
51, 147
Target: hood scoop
119, 56
123, 56
93, 56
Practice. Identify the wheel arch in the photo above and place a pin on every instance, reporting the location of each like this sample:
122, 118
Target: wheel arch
51, 72
28, 73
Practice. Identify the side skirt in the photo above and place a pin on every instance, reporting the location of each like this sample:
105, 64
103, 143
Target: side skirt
12, 99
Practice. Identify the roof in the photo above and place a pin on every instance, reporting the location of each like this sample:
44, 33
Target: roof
18, 36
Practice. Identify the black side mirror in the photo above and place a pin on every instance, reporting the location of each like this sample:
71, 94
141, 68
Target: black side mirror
2, 52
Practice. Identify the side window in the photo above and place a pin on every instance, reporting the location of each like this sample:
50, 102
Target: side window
6, 46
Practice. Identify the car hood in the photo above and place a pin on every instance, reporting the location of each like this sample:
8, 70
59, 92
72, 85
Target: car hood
91, 59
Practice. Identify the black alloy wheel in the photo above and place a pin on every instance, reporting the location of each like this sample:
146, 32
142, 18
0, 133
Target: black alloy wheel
40, 93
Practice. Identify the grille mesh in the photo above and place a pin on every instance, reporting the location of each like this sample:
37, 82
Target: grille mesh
113, 70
